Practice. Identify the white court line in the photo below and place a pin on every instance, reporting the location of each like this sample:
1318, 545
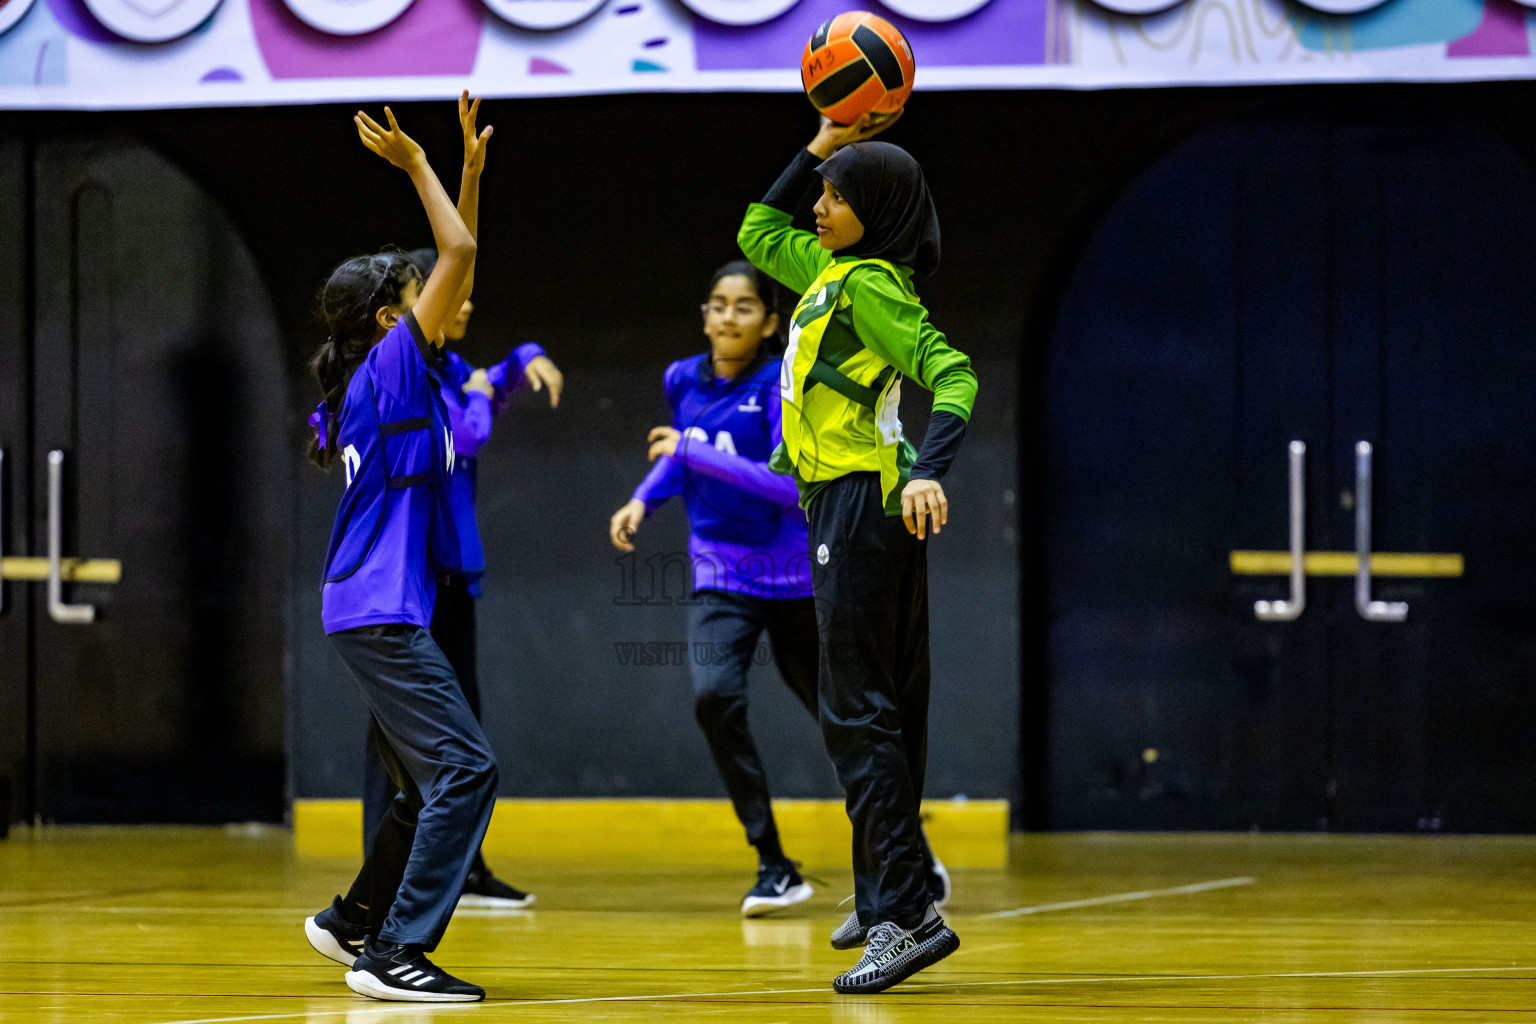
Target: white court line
86, 908
1142, 978
1125, 897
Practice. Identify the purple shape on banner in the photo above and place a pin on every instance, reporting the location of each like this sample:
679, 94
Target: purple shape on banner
1501, 33
432, 37
651, 44
540, 66
631, 9
223, 75
78, 20
1003, 32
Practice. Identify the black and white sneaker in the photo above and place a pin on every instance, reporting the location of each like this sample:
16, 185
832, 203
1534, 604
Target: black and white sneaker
483, 889
778, 886
894, 954
404, 974
851, 934
334, 937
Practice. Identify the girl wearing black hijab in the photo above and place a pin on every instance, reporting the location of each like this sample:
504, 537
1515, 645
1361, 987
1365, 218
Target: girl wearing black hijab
858, 330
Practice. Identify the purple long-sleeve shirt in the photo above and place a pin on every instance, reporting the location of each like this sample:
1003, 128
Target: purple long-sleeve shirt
747, 532
471, 415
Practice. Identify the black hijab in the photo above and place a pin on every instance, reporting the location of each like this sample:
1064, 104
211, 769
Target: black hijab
886, 189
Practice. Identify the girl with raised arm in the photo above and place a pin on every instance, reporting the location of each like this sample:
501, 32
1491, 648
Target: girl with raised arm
871, 499
394, 535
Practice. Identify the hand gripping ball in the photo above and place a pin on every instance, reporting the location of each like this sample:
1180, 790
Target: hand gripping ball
857, 63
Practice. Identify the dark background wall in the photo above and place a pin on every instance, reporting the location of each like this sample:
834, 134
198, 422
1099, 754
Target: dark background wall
601, 220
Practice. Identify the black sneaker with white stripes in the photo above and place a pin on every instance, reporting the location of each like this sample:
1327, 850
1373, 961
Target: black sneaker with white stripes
894, 954
404, 974
332, 936
778, 885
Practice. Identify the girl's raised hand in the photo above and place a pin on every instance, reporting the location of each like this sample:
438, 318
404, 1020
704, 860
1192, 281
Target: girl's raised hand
390, 143
833, 137
474, 144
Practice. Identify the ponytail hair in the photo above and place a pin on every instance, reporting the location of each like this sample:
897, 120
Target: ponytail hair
347, 304
767, 291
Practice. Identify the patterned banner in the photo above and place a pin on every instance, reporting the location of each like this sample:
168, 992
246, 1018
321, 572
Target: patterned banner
57, 54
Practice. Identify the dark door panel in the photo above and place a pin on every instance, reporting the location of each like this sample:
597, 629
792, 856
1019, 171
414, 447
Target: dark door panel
158, 378
15, 498
1185, 362
1433, 713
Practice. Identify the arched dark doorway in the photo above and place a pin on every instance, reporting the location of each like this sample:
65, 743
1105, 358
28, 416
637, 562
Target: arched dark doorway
148, 360
1330, 280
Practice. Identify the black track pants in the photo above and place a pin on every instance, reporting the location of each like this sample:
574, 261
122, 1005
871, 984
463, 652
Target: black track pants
723, 631
444, 773
453, 630
871, 582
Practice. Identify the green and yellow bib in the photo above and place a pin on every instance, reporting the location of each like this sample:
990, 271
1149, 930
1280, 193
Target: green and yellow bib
840, 418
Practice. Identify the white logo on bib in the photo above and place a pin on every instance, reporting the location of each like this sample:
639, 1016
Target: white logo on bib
822, 554
787, 367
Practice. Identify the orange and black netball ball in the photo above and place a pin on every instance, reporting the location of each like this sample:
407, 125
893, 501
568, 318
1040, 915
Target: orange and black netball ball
856, 63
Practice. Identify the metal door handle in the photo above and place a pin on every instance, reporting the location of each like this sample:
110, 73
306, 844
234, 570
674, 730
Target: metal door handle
1371, 611
1285, 611
69, 614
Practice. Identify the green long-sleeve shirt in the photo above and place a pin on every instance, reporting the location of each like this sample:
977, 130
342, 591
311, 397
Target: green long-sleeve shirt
880, 316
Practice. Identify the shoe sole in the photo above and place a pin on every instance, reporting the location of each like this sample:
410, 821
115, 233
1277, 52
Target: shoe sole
942, 946
470, 899
326, 945
757, 906
365, 984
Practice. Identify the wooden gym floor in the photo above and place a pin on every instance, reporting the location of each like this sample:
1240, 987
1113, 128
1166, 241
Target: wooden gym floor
184, 925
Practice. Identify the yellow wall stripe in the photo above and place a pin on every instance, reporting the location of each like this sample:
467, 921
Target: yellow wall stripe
965, 833
1345, 563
